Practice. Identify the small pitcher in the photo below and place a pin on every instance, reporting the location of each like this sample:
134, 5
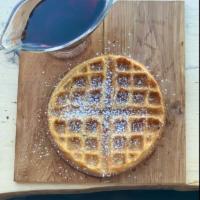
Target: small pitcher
11, 38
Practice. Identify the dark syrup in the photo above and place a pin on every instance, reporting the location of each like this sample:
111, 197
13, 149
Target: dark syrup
56, 22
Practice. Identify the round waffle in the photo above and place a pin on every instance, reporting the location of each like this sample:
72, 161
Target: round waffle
106, 115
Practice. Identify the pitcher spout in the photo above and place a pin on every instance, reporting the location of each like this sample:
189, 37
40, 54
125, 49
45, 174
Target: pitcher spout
13, 31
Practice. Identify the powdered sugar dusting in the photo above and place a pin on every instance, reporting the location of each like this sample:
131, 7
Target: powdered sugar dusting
96, 98
108, 89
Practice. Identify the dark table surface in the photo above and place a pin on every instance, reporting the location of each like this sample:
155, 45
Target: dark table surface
121, 195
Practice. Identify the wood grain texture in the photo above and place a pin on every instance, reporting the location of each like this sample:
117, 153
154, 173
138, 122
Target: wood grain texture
150, 32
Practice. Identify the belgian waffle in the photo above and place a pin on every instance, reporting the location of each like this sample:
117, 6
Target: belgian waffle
106, 115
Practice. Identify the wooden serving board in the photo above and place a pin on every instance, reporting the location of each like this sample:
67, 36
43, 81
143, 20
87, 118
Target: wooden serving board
150, 32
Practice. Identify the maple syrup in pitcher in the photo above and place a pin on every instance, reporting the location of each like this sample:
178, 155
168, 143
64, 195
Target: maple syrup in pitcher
57, 22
